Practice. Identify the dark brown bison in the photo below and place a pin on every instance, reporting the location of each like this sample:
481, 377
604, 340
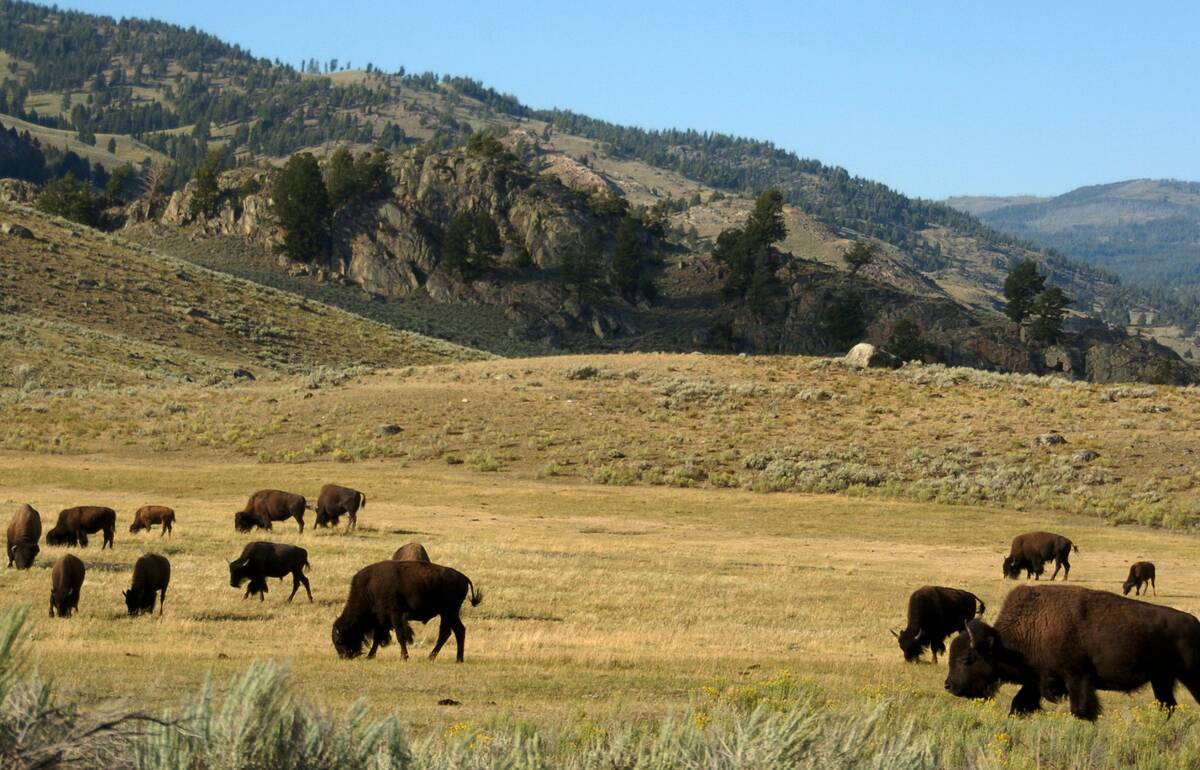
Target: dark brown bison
261, 560
75, 524
1066, 640
1031, 551
934, 613
65, 581
1140, 573
411, 552
334, 501
24, 532
268, 505
386, 595
149, 515
151, 575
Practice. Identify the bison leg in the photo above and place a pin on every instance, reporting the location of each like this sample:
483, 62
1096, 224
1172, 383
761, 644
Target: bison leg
1164, 692
247, 594
460, 637
82, 540
443, 635
162, 602
1027, 700
398, 623
1082, 692
353, 522
300, 521
1154, 586
108, 539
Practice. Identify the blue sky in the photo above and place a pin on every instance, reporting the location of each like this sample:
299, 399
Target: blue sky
932, 98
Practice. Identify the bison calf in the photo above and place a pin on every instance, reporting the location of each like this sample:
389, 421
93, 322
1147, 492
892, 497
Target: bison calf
75, 524
65, 581
24, 531
261, 560
268, 505
1032, 550
151, 575
1140, 573
934, 613
411, 552
150, 515
386, 595
1056, 640
334, 501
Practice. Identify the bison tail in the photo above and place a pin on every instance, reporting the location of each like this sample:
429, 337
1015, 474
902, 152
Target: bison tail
982, 607
362, 500
1074, 548
476, 594
305, 565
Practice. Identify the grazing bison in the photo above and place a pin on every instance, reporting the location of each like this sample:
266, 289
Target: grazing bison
75, 524
149, 515
386, 595
261, 560
1140, 573
1031, 551
151, 574
65, 581
335, 501
268, 505
24, 531
1056, 640
411, 552
934, 613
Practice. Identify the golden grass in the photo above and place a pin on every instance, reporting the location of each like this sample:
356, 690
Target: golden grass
601, 601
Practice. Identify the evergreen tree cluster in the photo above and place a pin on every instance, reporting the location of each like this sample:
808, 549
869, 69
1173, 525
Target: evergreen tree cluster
749, 255
1030, 301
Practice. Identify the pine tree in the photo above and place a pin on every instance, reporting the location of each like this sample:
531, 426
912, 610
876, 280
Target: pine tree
1021, 286
301, 203
1048, 311
858, 256
631, 271
206, 192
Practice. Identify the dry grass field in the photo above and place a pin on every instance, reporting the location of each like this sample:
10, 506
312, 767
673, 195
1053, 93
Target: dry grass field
637, 526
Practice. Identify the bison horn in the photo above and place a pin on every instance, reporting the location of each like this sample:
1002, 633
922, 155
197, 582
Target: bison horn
970, 635
894, 633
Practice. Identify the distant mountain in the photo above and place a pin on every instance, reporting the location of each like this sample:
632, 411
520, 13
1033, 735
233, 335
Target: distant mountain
1146, 231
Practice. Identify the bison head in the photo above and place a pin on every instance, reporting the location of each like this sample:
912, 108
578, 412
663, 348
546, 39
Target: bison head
138, 601
59, 536
1127, 586
974, 672
24, 552
347, 639
238, 573
60, 602
910, 644
1012, 567
136, 526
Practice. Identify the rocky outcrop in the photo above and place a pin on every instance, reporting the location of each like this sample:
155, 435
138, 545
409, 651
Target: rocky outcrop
864, 355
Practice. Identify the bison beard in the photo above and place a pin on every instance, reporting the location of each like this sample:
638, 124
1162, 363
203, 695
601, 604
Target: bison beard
1058, 640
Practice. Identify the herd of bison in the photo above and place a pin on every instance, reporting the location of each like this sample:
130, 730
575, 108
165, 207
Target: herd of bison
384, 597
1052, 641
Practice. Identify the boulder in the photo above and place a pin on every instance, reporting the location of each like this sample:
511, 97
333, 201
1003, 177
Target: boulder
15, 230
389, 429
1085, 456
864, 355
1053, 438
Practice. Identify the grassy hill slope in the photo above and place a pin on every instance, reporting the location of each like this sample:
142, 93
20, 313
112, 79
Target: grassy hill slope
83, 307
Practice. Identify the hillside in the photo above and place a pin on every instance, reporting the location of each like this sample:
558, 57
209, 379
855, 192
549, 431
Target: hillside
161, 92
1144, 230
84, 308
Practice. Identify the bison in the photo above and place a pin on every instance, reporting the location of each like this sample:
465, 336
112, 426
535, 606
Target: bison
75, 524
934, 613
1067, 640
386, 595
1031, 551
333, 501
151, 574
411, 552
261, 560
268, 505
65, 581
149, 515
24, 531
1140, 573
